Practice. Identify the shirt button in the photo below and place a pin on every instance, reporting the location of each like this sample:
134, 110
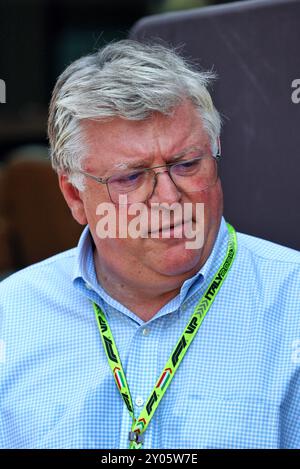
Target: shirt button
139, 401
146, 331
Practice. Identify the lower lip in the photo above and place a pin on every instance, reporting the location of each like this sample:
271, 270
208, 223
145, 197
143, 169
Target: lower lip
175, 232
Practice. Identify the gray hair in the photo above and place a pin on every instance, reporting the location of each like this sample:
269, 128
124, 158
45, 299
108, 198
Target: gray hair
124, 79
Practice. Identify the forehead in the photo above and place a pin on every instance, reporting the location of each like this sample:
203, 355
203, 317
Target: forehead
120, 140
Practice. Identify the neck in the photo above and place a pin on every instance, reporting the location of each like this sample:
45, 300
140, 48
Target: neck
143, 300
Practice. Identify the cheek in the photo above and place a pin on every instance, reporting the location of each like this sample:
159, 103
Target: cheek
212, 200
92, 200
110, 227
91, 215
217, 200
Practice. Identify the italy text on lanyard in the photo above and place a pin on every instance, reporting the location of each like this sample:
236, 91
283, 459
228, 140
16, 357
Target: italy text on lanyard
139, 425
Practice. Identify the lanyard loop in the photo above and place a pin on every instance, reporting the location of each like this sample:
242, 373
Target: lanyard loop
139, 426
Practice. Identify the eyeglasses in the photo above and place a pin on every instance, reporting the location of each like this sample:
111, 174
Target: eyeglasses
189, 175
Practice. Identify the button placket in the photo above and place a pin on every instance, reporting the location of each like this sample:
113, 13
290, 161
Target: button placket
139, 401
146, 331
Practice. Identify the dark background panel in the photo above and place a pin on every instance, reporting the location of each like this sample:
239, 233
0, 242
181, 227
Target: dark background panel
254, 48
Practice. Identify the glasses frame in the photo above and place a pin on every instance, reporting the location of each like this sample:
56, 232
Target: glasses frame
167, 166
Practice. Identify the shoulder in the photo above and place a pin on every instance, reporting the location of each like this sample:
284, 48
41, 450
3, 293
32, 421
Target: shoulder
267, 251
56, 271
270, 271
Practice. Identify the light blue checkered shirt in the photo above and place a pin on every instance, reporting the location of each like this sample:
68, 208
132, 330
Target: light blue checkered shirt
237, 387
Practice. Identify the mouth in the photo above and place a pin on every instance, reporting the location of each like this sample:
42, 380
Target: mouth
173, 230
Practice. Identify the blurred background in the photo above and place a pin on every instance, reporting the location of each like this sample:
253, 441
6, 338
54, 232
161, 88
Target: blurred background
38, 39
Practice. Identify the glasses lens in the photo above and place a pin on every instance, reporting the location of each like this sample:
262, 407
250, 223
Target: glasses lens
190, 175
195, 175
136, 186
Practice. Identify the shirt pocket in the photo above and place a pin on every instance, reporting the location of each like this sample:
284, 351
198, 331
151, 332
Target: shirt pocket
225, 423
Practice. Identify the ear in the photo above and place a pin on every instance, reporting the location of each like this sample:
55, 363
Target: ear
73, 198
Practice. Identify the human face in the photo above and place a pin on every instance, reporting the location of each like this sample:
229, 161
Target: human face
154, 141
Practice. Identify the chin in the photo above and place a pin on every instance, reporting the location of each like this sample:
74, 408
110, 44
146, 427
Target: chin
179, 261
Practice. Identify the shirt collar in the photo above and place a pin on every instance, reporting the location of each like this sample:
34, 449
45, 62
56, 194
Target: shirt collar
84, 274
82, 257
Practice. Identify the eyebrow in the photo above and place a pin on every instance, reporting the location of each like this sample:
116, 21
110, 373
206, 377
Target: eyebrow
131, 164
177, 156
145, 163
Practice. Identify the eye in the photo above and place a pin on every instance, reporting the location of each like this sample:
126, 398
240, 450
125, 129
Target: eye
127, 180
189, 164
186, 167
134, 176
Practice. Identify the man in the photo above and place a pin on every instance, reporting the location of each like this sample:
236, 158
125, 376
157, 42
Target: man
141, 341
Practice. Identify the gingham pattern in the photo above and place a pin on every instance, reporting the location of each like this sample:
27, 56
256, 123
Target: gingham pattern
237, 387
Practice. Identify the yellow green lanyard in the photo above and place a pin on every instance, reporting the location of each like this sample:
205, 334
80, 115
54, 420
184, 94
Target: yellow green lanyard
139, 426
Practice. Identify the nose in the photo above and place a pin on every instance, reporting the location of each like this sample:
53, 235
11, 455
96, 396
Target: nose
164, 189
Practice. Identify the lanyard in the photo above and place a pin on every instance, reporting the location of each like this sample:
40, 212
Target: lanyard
139, 426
